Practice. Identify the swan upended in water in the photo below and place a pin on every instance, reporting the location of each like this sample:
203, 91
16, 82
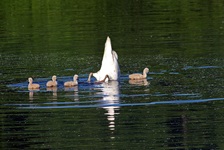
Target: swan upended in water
72, 83
32, 85
109, 65
52, 83
137, 76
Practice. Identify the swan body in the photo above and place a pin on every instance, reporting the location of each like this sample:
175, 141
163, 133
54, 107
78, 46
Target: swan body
109, 64
52, 83
32, 85
137, 76
72, 83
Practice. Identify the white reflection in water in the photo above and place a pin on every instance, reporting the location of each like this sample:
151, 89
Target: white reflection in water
54, 91
111, 99
139, 82
76, 91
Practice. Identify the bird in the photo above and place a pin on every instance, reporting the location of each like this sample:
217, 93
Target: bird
109, 65
137, 76
72, 83
32, 85
52, 83
102, 81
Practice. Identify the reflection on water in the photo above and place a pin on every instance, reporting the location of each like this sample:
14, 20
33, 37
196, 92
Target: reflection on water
139, 82
54, 91
111, 93
76, 92
31, 93
177, 126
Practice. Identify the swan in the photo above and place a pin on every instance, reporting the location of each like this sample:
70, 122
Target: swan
109, 65
106, 78
72, 83
137, 76
52, 83
31, 85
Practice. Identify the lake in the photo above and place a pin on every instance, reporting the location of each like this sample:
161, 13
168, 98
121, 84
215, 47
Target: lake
179, 106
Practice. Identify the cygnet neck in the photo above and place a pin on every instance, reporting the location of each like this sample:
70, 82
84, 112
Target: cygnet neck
54, 78
75, 77
145, 71
30, 80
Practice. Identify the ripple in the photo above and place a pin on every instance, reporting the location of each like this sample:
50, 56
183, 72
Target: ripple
64, 105
200, 67
187, 94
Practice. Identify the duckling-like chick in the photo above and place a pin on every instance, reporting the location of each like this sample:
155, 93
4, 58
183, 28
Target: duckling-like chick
72, 83
31, 85
52, 83
137, 76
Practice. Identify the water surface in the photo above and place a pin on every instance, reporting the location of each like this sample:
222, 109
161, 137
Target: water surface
178, 106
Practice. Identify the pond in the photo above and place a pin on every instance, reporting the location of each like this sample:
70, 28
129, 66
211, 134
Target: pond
179, 105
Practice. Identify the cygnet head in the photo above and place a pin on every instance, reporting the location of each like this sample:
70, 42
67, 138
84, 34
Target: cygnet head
75, 77
30, 80
146, 70
54, 78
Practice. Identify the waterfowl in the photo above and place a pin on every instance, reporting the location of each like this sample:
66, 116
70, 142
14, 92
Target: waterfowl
72, 83
137, 76
101, 81
109, 64
52, 83
106, 78
31, 85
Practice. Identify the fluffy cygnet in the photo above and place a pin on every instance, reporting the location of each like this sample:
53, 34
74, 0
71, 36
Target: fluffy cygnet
31, 85
72, 83
52, 83
137, 76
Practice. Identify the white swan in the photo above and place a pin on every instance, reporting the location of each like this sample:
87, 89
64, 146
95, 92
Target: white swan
109, 64
137, 76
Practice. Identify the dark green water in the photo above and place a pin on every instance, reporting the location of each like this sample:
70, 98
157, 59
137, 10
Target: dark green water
179, 106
